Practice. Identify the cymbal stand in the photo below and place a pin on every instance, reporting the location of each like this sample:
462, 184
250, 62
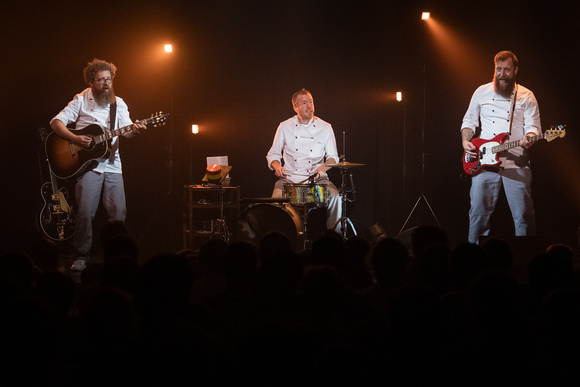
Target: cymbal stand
344, 221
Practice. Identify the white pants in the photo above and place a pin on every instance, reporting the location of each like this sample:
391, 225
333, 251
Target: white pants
333, 206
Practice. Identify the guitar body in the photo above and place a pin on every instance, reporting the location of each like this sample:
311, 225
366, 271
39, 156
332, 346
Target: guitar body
485, 156
69, 160
56, 217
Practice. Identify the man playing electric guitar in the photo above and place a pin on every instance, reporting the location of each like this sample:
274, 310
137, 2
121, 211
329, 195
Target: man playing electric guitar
502, 106
97, 104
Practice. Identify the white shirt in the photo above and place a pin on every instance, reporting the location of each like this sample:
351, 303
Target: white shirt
84, 111
495, 113
303, 148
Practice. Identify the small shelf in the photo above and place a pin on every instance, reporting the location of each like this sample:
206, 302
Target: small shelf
202, 209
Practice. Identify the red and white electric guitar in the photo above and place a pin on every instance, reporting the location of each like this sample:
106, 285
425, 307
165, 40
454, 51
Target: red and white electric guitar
488, 150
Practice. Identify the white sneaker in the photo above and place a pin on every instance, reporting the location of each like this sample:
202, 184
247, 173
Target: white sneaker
79, 265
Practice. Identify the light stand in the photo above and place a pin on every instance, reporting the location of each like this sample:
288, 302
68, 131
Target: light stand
194, 132
169, 195
399, 98
422, 197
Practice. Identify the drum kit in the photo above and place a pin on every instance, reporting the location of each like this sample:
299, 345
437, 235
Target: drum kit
294, 214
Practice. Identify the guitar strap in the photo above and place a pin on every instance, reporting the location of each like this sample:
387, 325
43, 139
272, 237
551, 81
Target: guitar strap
112, 115
112, 119
513, 110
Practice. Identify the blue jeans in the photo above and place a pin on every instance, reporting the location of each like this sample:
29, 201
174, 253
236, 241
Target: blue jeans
88, 192
485, 189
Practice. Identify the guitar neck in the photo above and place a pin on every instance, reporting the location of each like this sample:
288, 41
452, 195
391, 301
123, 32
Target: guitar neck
53, 183
513, 144
111, 134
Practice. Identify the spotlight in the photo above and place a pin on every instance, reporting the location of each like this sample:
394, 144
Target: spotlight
425, 15
168, 48
399, 96
194, 129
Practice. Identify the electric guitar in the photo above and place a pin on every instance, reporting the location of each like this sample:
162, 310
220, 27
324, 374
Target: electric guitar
57, 218
68, 160
488, 150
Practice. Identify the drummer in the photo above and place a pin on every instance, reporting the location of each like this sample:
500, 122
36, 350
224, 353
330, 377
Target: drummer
302, 147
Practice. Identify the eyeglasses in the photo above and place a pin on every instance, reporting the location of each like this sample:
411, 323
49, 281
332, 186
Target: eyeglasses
104, 80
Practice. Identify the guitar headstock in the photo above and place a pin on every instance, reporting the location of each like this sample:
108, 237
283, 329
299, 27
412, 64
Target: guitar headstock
158, 118
43, 134
555, 131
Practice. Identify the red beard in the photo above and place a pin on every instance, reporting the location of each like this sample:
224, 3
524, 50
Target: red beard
505, 89
104, 97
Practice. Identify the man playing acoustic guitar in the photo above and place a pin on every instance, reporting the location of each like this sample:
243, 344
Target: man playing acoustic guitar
97, 104
502, 107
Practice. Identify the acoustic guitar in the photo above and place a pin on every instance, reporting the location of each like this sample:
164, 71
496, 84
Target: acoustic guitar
68, 160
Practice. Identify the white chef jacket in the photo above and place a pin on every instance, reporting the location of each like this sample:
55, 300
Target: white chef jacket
303, 148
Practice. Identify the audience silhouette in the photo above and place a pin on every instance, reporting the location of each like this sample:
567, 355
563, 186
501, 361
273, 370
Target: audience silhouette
338, 312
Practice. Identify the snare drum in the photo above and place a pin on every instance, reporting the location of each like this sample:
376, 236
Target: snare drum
302, 194
259, 219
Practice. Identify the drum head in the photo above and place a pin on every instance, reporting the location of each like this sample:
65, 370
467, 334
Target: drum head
259, 219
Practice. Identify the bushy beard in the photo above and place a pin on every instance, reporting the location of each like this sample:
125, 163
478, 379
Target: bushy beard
504, 89
103, 97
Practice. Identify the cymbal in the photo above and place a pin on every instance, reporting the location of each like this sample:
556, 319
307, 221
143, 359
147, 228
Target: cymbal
344, 165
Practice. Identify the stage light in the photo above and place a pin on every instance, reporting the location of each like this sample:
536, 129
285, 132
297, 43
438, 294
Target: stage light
425, 15
168, 48
194, 129
399, 96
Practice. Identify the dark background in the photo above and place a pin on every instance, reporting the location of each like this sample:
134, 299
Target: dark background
234, 67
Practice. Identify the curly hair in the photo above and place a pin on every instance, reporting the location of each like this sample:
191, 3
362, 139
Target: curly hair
95, 66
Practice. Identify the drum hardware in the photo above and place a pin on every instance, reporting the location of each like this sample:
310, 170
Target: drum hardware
345, 166
344, 221
307, 208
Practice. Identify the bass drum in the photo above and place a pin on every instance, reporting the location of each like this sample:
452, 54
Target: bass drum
259, 219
